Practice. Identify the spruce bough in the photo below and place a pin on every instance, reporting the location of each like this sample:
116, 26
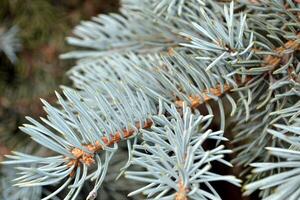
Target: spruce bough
158, 75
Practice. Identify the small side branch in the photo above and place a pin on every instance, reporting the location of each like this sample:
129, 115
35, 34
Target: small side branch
197, 100
271, 60
281, 57
82, 157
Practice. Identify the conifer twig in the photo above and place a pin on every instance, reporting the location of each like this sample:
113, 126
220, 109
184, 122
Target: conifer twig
197, 100
88, 158
219, 91
274, 61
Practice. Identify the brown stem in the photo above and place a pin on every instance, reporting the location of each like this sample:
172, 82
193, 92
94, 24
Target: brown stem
83, 157
182, 192
270, 60
197, 100
281, 57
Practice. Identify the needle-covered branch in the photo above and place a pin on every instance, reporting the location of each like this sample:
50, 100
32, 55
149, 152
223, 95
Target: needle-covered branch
175, 160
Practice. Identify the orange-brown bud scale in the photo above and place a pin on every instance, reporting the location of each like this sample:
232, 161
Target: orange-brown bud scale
82, 157
197, 100
182, 192
274, 61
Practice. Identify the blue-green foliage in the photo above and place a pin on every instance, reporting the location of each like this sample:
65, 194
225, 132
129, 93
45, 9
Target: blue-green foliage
146, 66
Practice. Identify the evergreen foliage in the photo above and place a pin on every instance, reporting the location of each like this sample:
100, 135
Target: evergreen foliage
158, 75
